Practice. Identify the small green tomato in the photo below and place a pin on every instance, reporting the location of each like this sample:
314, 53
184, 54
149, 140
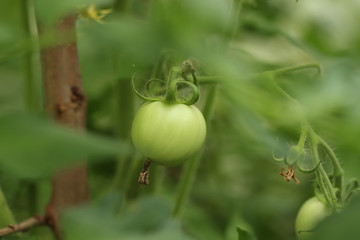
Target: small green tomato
311, 213
168, 133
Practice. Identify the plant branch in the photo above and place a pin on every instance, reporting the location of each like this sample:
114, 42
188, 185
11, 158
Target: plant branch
270, 73
322, 178
303, 134
237, 5
323, 188
329, 188
29, 26
22, 226
281, 71
338, 170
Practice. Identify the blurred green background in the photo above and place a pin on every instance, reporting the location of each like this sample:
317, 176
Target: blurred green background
238, 184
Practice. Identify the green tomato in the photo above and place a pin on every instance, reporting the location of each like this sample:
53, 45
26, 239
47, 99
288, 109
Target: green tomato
311, 213
168, 133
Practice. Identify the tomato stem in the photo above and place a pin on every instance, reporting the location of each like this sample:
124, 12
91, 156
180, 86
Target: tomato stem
146, 98
282, 71
322, 178
29, 24
266, 74
338, 171
174, 74
237, 6
171, 91
303, 134
190, 169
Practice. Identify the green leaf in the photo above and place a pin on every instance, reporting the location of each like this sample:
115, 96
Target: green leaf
244, 233
6, 216
239, 229
32, 146
148, 219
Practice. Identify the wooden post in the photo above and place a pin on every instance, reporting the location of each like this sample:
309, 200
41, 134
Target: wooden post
66, 102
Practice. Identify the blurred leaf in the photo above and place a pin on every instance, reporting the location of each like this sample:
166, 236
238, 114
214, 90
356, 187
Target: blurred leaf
110, 202
147, 219
6, 216
199, 224
32, 146
245, 234
149, 215
239, 229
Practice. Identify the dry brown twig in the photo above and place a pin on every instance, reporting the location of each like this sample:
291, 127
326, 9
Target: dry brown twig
24, 225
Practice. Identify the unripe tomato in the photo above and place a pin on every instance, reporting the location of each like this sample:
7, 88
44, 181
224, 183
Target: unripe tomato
311, 213
168, 133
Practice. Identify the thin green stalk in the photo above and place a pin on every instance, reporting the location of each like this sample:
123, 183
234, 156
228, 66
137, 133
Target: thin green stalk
29, 84
123, 114
118, 177
157, 177
132, 170
237, 4
323, 188
338, 170
281, 71
6, 216
29, 26
189, 172
303, 134
328, 185
322, 178
270, 73
123, 179
319, 176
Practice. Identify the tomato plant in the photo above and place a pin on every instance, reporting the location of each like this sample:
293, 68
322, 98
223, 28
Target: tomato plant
310, 214
277, 77
168, 133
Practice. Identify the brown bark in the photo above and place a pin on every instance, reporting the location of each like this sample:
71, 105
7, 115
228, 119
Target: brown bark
66, 102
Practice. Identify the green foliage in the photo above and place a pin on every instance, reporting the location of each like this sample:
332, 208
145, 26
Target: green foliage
146, 219
6, 216
33, 146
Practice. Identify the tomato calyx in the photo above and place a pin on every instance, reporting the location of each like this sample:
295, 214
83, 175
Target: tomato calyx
177, 77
